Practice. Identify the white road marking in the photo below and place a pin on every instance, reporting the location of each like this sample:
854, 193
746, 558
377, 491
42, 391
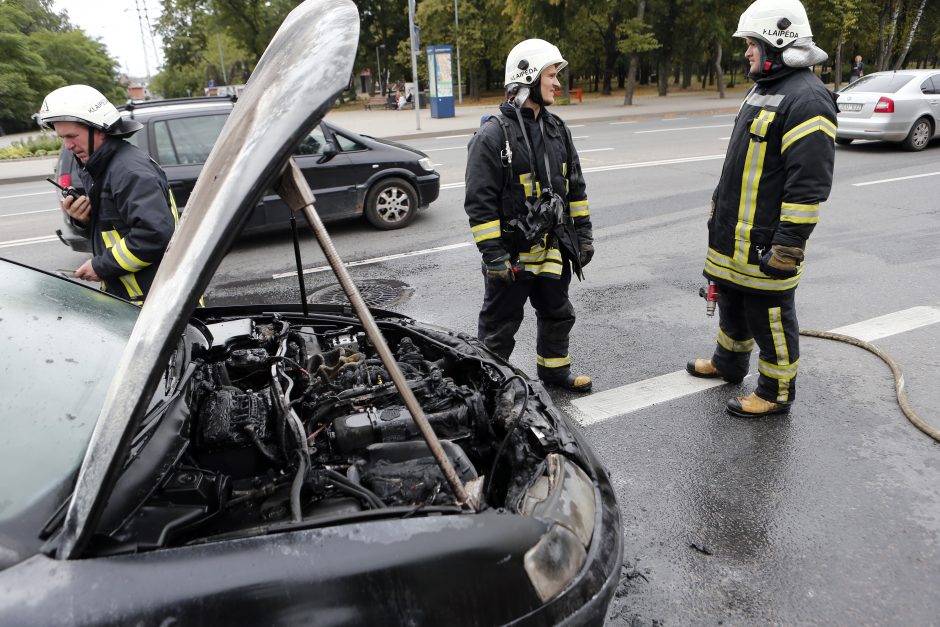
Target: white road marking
725, 115
575, 125
580, 136
365, 262
892, 323
29, 240
453, 136
625, 166
642, 394
439, 149
627, 122
434, 165
900, 178
686, 128
671, 119
27, 213
581, 152
46, 193
721, 139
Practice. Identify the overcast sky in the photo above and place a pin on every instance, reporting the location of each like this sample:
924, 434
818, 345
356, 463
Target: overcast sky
115, 23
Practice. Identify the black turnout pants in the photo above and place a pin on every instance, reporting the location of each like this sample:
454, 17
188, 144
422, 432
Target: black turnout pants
502, 313
770, 321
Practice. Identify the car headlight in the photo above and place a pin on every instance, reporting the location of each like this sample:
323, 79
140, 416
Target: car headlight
425, 164
564, 494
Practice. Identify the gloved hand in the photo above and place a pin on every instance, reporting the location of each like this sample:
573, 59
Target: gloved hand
781, 261
499, 269
587, 253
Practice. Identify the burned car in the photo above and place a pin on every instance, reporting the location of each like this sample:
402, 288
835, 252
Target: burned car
275, 464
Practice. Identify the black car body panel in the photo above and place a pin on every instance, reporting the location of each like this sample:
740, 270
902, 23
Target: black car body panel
255, 464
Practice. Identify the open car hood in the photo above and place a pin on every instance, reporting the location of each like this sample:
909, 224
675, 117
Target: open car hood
306, 65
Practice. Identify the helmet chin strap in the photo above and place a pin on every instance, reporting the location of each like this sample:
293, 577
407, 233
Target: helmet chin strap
91, 141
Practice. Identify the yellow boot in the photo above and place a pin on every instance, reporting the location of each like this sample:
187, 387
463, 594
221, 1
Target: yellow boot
704, 369
753, 406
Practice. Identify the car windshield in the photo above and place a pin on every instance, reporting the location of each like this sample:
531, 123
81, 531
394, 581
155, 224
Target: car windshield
887, 83
63, 342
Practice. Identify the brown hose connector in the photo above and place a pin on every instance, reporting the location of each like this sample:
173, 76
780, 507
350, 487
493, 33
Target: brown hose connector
898, 377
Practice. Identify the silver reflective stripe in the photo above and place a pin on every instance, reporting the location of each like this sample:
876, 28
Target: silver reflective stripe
757, 100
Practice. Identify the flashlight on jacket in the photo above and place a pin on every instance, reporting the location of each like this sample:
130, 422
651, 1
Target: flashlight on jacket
710, 294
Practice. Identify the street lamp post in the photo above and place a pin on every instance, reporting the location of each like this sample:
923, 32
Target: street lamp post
414, 62
457, 27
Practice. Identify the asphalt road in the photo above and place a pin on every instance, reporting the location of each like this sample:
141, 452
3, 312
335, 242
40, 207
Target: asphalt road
828, 516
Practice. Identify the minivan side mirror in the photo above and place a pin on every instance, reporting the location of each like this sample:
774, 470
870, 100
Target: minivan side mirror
328, 152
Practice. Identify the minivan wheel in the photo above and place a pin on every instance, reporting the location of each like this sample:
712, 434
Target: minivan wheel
843, 141
391, 204
919, 136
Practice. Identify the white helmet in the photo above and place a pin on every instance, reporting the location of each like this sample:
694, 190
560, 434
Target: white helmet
86, 105
527, 60
776, 22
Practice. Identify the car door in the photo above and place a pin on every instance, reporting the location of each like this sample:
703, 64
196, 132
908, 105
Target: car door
181, 146
931, 91
324, 166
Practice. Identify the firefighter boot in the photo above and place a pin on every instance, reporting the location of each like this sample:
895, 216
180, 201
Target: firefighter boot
704, 369
580, 383
753, 406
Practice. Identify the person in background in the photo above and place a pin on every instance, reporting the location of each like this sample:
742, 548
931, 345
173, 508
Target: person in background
858, 69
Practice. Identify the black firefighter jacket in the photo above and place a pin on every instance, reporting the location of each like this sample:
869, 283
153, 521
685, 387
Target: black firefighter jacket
490, 209
777, 172
133, 217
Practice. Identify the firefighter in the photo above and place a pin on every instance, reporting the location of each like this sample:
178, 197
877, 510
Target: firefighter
777, 172
126, 208
529, 216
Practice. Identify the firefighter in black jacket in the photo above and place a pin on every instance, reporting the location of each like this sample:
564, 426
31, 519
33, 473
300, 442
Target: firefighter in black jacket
126, 206
777, 172
528, 210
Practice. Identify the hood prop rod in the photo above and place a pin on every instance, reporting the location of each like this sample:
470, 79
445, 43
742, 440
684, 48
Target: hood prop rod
293, 188
300, 267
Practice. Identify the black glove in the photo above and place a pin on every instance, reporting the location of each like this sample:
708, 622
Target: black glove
499, 269
587, 253
781, 262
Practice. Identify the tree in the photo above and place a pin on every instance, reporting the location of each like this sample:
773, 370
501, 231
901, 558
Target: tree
910, 35
634, 39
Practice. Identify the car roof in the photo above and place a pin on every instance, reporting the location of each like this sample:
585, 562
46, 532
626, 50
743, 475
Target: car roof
152, 108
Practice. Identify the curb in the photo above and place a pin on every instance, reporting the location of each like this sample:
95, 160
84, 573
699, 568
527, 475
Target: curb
569, 120
24, 179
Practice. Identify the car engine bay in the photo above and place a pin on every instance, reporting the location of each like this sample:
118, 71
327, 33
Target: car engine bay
277, 421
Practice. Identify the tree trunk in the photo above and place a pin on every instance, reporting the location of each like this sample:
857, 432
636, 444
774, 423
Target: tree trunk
910, 36
837, 79
718, 73
882, 19
662, 74
892, 30
634, 60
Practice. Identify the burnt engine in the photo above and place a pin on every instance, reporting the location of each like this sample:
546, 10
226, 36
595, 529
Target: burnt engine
278, 405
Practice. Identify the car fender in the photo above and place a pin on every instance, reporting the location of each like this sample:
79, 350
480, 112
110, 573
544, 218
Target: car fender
408, 175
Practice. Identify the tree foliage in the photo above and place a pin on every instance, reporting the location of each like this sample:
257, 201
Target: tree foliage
40, 51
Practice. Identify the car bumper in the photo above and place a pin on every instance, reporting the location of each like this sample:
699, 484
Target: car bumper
880, 126
429, 188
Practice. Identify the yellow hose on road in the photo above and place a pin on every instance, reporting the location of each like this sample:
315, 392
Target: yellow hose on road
898, 377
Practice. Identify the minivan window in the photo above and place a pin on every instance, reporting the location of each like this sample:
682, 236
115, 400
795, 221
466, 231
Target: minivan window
187, 141
887, 83
346, 144
312, 143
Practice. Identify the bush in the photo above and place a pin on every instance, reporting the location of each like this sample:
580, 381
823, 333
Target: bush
41, 146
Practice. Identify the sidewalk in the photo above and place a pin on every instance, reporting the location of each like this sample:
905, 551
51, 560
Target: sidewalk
403, 125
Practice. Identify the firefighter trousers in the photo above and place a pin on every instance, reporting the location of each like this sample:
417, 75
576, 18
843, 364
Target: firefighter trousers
769, 320
503, 310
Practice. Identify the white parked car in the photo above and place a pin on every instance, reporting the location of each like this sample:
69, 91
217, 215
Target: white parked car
901, 106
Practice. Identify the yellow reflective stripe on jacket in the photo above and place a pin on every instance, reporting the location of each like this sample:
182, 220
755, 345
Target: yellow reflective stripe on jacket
539, 260
745, 274
579, 208
818, 123
485, 231
129, 281
799, 214
110, 238
126, 259
174, 210
553, 362
750, 183
735, 346
526, 180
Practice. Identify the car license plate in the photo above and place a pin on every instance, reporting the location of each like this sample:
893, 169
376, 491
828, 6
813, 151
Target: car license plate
850, 106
